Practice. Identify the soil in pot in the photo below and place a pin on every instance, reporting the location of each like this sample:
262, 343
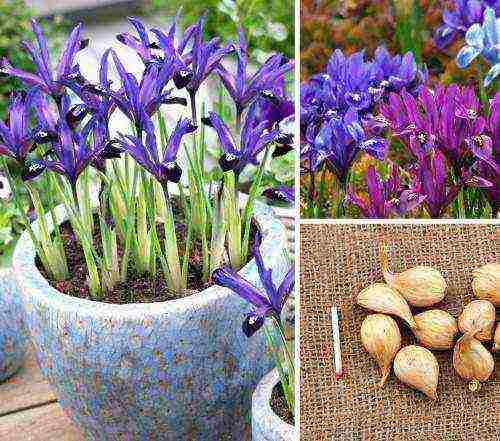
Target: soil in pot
139, 288
279, 405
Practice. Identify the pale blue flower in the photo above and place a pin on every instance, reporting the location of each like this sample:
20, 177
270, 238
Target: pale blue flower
483, 40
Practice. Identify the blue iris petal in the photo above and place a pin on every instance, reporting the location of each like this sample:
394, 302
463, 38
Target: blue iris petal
492, 74
491, 28
466, 55
475, 36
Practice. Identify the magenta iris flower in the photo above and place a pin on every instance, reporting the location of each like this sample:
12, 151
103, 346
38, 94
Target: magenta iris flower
45, 78
448, 136
490, 169
431, 179
385, 197
268, 303
445, 118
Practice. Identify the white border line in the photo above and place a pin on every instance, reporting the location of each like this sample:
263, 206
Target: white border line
297, 220
400, 221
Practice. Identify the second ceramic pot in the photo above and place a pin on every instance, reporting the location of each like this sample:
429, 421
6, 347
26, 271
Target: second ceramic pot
13, 334
266, 425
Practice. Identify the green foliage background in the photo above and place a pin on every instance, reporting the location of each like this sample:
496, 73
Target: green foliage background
14, 27
226, 15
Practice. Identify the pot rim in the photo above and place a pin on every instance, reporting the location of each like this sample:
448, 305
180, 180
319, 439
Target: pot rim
31, 281
261, 406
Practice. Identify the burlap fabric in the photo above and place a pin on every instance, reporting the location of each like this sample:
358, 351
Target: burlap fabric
337, 261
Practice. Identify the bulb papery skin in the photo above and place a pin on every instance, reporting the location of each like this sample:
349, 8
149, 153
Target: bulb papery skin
478, 319
472, 361
486, 283
381, 298
381, 338
496, 342
421, 286
436, 329
418, 368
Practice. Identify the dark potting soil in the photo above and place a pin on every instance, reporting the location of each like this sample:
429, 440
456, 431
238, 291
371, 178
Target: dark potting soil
279, 405
139, 288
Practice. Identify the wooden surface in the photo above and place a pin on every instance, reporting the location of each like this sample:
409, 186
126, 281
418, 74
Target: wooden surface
29, 410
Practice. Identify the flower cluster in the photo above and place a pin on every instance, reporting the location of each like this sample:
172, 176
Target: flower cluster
337, 108
71, 133
387, 138
449, 139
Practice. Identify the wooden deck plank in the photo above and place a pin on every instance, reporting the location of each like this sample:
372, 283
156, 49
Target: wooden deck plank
45, 423
27, 388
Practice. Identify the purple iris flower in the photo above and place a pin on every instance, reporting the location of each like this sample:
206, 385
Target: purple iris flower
341, 140
245, 88
255, 137
95, 98
385, 197
48, 81
352, 82
16, 138
205, 57
281, 193
279, 113
351, 85
96, 101
142, 44
390, 73
138, 101
163, 54
70, 153
275, 113
176, 53
269, 304
146, 153
465, 13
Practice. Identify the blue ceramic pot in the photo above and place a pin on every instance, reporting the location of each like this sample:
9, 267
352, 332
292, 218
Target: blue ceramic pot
13, 334
177, 370
266, 425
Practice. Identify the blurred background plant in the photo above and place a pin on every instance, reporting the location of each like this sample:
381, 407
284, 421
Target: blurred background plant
269, 24
15, 16
400, 25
